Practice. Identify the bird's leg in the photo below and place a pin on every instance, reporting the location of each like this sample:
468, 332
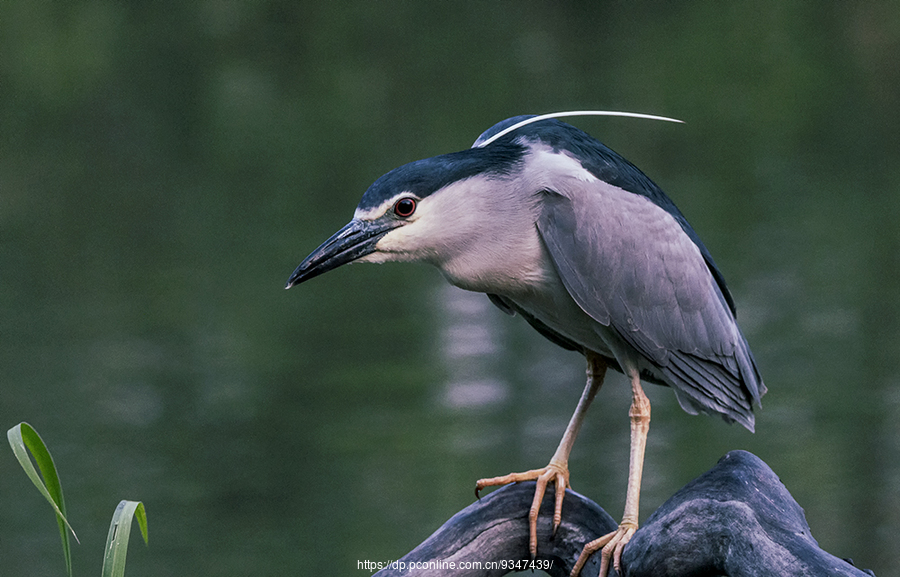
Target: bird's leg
612, 544
557, 471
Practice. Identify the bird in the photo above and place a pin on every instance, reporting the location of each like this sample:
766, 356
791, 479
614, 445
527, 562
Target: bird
556, 227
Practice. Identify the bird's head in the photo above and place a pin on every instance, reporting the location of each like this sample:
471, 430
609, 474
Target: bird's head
425, 211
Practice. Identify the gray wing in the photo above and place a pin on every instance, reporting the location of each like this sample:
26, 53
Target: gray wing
630, 266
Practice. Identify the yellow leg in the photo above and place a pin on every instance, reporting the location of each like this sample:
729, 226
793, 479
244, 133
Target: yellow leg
557, 471
612, 544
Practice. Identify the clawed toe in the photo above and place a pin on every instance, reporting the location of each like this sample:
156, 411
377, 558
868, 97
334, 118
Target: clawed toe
610, 546
556, 473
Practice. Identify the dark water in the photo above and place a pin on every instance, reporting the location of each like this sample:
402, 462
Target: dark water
164, 167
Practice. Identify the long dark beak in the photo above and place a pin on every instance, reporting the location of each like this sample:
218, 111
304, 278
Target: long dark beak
358, 238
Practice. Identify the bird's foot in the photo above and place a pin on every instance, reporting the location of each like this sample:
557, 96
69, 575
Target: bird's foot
610, 546
556, 473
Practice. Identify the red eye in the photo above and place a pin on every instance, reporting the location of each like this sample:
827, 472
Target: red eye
405, 207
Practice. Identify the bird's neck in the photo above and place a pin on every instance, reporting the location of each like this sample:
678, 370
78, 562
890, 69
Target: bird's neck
499, 269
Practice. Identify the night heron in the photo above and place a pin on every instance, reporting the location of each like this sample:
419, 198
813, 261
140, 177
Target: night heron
556, 227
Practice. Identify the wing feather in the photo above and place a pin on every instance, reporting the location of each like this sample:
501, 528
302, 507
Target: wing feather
630, 266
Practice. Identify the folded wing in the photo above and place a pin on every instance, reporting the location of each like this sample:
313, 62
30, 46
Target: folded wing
630, 265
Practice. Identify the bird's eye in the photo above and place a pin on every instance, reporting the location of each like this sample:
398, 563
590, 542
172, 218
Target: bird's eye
405, 207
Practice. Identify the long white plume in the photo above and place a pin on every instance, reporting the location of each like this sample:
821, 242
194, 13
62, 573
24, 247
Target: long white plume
571, 113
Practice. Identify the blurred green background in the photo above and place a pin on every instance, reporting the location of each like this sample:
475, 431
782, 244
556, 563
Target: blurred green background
164, 166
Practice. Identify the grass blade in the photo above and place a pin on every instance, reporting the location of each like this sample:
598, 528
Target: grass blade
23, 438
119, 532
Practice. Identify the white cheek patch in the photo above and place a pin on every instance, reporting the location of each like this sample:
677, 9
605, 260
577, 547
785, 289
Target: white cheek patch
401, 243
423, 232
405, 242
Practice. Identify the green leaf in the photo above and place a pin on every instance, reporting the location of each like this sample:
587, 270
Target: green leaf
23, 438
119, 532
